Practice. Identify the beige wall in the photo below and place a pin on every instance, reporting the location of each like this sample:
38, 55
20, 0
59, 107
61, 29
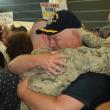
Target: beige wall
28, 25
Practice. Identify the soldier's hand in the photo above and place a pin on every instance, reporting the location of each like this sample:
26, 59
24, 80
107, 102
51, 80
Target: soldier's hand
22, 86
52, 61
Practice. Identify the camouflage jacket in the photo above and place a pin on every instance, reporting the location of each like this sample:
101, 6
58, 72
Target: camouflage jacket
79, 61
104, 31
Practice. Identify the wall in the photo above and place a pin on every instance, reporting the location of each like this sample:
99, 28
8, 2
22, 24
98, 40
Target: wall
24, 10
92, 13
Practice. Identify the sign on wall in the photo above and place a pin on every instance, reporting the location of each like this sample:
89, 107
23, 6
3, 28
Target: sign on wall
62, 3
49, 8
6, 18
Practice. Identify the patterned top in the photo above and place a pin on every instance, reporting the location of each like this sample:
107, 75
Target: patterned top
8, 85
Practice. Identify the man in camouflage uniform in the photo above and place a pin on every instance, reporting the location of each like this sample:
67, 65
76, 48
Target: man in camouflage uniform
79, 61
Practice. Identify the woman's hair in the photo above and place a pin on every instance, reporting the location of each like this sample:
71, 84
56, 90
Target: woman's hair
18, 43
19, 29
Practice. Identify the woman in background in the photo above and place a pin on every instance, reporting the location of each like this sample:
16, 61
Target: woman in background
19, 43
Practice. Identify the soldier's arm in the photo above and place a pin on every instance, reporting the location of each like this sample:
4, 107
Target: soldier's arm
38, 101
93, 41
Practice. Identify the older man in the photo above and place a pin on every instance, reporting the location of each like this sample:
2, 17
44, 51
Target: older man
79, 95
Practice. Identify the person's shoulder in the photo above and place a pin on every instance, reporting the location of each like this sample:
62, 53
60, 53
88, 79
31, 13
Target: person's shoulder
87, 34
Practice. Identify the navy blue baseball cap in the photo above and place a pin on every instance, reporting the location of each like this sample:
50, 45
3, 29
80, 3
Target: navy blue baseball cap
59, 21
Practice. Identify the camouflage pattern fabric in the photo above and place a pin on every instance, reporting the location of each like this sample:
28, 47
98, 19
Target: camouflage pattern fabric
79, 61
104, 31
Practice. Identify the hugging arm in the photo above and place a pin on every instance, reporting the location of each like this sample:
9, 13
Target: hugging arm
49, 60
